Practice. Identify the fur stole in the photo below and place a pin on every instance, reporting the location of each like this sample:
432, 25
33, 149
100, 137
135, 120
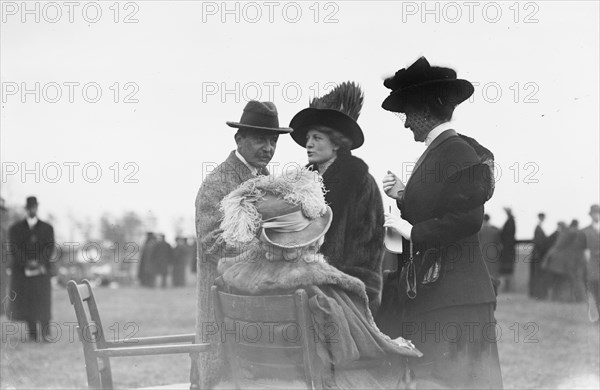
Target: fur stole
261, 276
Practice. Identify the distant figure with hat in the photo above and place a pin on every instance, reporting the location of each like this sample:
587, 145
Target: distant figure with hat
444, 281
32, 247
329, 132
256, 140
284, 219
146, 270
162, 258
4, 258
538, 279
507, 259
181, 259
592, 257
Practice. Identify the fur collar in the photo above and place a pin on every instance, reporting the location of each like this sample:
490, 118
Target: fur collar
345, 165
261, 275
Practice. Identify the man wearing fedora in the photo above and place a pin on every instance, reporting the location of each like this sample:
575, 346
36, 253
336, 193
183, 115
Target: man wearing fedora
31, 244
256, 140
444, 280
592, 257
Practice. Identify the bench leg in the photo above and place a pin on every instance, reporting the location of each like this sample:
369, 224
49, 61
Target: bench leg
194, 375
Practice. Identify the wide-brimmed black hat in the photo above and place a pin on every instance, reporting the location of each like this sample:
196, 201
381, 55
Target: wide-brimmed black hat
260, 116
339, 110
421, 80
31, 202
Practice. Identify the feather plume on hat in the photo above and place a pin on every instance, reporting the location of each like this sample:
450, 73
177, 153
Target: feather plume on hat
346, 97
241, 218
339, 110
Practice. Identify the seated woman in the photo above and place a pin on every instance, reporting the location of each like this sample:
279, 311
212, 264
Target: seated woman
282, 220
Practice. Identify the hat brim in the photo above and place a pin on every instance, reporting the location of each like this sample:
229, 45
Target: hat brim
280, 130
313, 232
452, 92
309, 117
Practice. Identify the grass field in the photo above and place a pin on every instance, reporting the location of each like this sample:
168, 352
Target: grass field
542, 345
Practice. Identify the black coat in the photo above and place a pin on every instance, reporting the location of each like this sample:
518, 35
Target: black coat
31, 249
507, 260
181, 258
444, 203
162, 256
354, 242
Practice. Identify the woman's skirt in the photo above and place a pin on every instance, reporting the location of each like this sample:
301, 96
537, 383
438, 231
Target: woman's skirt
459, 347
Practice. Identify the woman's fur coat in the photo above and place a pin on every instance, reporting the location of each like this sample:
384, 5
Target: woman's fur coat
334, 298
354, 242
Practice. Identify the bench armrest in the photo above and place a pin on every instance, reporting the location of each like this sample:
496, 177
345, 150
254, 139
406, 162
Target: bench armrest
140, 341
154, 350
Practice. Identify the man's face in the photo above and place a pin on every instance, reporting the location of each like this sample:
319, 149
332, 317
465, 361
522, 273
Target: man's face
595, 216
257, 146
31, 211
417, 121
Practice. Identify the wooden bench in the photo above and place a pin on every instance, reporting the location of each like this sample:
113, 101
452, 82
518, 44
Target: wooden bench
97, 350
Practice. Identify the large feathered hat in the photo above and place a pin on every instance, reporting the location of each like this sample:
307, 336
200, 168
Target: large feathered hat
423, 80
288, 211
339, 110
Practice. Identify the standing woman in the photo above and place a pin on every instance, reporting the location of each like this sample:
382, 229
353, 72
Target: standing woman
328, 130
448, 301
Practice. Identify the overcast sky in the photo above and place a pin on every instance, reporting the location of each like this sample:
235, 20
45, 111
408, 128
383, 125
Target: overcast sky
170, 79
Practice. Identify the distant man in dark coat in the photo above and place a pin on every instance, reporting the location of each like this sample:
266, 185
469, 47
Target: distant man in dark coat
592, 257
146, 272
162, 257
491, 247
32, 248
538, 279
442, 211
256, 141
507, 260
181, 259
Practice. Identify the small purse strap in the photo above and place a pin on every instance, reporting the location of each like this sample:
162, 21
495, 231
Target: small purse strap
411, 275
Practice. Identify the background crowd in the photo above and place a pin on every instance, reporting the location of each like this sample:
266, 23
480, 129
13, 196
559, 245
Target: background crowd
563, 264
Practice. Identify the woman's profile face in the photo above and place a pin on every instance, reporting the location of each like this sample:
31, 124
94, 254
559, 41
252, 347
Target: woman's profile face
319, 147
417, 121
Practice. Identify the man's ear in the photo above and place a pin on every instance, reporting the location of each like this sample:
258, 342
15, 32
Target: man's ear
238, 138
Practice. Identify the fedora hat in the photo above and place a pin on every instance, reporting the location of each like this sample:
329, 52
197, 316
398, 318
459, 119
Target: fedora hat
422, 80
287, 212
594, 209
260, 116
339, 110
31, 201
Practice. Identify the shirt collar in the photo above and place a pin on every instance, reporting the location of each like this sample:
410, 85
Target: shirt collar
596, 225
32, 221
439, 129
253, 170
